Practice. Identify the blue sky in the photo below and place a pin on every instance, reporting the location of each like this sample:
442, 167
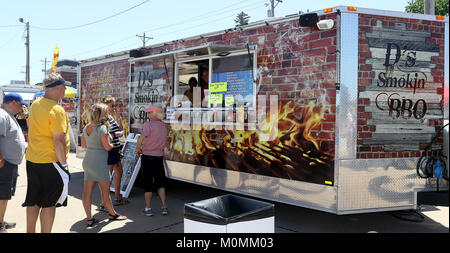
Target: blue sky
164, 20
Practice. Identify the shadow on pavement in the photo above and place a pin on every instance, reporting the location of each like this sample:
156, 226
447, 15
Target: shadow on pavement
288, 218
178, 193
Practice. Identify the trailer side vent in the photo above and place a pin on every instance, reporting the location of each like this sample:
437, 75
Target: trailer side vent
309, 19
135, 53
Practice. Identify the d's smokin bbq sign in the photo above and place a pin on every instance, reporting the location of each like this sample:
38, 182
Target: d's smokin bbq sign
408, 78
400, 91
147, 87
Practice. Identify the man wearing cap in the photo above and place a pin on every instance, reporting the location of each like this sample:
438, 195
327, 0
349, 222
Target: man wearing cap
47, 153
12, 149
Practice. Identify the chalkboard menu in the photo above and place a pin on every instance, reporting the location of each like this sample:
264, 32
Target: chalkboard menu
131, 164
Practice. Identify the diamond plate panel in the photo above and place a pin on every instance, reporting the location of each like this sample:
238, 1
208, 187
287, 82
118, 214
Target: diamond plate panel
315, 196
380, 183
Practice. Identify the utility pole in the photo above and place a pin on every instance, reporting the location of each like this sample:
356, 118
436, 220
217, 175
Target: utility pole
27, 43
272, 8
271, 12
429, 6
144, 39
23, 72
45, 66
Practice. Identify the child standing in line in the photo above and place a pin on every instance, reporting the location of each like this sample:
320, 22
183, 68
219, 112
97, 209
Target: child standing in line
150, 146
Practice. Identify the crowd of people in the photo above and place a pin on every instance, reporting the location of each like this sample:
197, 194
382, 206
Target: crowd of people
47, 152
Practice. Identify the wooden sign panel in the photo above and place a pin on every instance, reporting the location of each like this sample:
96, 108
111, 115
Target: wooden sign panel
400, 89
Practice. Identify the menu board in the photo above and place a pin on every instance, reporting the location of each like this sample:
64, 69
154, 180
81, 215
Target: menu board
230, 85
131, 164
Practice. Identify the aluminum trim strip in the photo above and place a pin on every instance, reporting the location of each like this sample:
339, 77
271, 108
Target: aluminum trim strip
347, 97
338, 99
446, 95
446, 72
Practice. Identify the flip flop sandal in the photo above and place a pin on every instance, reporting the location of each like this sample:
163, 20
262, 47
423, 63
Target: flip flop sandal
117, 217
8, 225
119, 202
92, 222
102, 208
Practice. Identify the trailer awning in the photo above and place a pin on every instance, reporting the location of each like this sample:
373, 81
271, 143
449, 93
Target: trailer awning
202, 50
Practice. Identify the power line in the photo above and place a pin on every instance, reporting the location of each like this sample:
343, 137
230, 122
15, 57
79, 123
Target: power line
210, 14
7, 26
99, 48
209, 22
91, 23
10, 39
190, 20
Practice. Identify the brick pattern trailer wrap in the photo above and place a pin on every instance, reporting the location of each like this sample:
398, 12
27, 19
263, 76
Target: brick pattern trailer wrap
101, 79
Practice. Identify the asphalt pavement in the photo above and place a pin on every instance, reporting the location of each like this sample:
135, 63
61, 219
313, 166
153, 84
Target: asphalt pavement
288, 219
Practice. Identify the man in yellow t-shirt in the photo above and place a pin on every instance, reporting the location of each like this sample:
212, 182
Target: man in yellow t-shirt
46, 155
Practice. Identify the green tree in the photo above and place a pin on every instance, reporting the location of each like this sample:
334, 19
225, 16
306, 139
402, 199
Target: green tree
242, 19
417, 6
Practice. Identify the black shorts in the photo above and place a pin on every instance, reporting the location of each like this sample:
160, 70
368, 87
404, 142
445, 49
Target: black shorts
153, 173
114, 156
8, 180
48, 185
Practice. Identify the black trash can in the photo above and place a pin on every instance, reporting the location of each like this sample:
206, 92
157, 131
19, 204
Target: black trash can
229, 214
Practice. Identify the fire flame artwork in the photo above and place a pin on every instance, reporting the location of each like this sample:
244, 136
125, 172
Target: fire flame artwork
295, 152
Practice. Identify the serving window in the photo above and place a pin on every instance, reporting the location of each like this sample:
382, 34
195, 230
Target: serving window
189, 81
222, 80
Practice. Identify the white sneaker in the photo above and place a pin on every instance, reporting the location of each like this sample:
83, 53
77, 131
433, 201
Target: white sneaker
147, 212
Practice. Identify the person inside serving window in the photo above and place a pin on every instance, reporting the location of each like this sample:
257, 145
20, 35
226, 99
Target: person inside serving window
204, 83
190, 92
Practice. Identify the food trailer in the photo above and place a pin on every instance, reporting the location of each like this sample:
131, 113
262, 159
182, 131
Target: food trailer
343, 110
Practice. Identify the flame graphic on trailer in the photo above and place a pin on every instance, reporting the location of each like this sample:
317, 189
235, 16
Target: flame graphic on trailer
295, 152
